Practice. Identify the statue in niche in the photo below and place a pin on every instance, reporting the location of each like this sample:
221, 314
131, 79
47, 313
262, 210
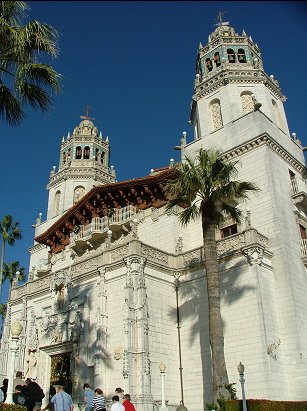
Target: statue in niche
61, 298
31, 367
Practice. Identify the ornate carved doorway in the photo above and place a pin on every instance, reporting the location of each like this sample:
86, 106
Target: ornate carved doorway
60, 372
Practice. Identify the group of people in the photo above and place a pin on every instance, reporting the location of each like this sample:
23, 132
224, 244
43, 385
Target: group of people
29, 394
95, 401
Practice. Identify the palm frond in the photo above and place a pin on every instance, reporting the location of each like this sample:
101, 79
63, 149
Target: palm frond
10, 108
207, 184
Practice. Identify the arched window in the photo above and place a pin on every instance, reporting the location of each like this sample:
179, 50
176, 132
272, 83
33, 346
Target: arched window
209, 64
102, 157
63, 158
56, 207
96, 154
241, 56
78, 153
78, 193
277, 113
86, 154
217, 59
231, 56
216, 114
247, 102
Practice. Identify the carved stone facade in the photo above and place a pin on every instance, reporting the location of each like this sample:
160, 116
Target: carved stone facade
102, 305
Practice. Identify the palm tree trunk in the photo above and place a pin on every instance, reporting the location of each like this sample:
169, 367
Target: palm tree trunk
1, 264
219, 370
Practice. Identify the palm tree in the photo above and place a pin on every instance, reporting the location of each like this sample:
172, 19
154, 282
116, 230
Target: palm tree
24, 79
206, 188
3, 308
10, 272
10, 232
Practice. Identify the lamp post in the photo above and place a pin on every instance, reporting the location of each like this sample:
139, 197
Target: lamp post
162, 368
240, 369
16, 329
181, 406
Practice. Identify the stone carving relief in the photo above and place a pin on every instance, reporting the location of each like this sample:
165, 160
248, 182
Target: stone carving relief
192, 258
31, 365
216, 115
118, 353
154, 255
119, 253
247, 103
254, 255
229, 245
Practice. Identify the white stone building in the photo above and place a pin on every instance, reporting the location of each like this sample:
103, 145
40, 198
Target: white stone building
100, 303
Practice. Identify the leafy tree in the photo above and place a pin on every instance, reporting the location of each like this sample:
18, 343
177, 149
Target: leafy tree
10, 232
10, 270
24, 78
206, 188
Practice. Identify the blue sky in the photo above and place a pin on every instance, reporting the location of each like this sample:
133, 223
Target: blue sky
134, 64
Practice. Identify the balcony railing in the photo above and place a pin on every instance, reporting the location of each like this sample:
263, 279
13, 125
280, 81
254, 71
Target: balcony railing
298, 185
303, 244
299, 191
97, 229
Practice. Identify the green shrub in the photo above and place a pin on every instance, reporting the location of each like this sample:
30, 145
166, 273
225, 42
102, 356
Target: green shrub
12, 407
266, 405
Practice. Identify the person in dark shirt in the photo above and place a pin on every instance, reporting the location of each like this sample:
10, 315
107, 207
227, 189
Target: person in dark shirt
34, 392
4, 387
20, 398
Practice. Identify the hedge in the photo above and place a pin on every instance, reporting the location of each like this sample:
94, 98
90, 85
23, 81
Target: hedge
266, 405
12, 407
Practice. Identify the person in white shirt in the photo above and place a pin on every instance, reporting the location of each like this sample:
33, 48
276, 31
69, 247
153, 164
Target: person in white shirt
117, 406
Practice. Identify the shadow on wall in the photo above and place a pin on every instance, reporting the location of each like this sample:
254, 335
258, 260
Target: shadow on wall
193, 312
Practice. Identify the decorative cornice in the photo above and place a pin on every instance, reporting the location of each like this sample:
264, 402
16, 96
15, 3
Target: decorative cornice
263, 139
81, 174
235, 75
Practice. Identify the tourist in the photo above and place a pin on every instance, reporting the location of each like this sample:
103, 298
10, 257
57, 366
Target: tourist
127, 403
120, 392
88, 397
117, 406
20, 398
1, 396
4, 388
34, 392
61, 400
99, 402
18, 380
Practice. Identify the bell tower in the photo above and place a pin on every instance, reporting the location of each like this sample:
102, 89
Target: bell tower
238, 109
84, 163
231, 82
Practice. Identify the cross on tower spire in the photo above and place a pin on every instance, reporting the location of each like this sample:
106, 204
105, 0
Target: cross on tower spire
87, 112
219, 19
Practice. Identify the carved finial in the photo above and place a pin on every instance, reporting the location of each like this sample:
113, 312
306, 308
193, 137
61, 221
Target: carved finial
63, 139
200, 46
243, 33
100, 135
107, 139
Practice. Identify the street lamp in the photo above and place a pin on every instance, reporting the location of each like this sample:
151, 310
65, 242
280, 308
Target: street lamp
16, 329
240, 369
162, 369
181, 406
